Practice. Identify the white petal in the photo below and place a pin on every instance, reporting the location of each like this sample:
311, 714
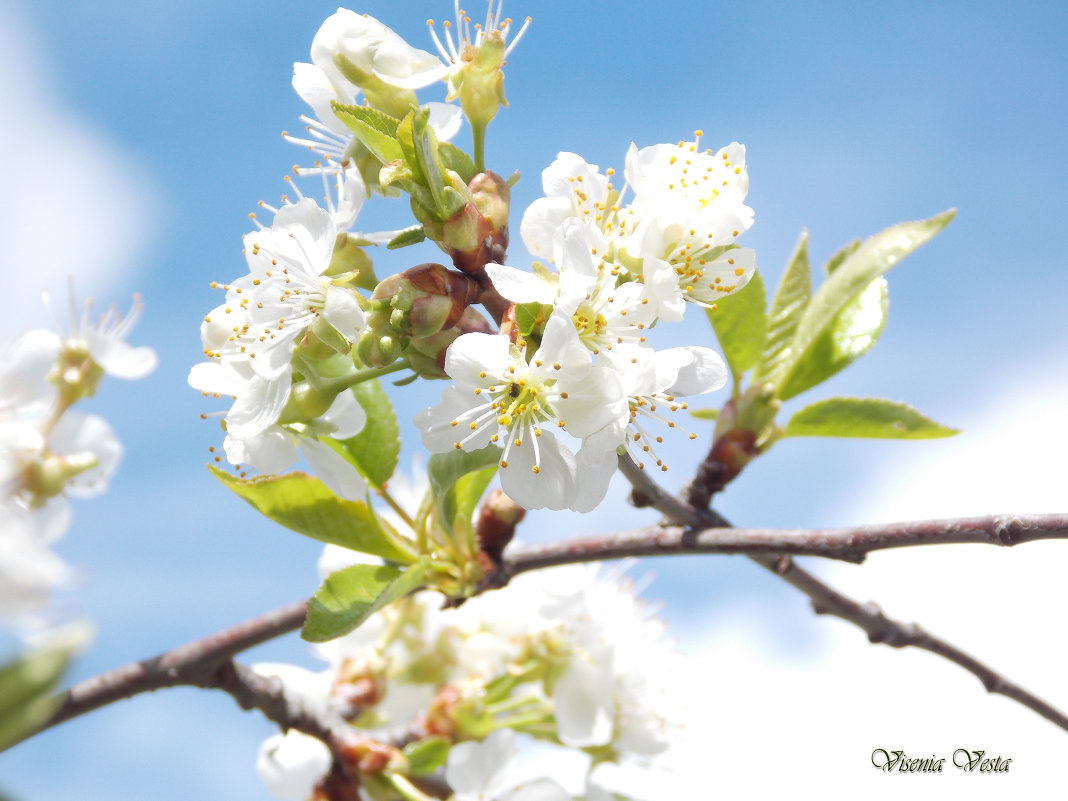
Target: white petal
560, 345
540, 221
344, 313
520, 286
24, 374
315, 89
552, 487
292, 764
445, 119
269, 452
120, 359
340, 476
597, 463
704, 372
399, 64
345, 415
77, 433
596, 401
473, 354
435, 432
475, 770
540, 790
259, 406
583, 705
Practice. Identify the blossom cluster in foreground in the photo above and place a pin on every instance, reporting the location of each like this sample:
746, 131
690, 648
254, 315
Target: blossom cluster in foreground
568, 658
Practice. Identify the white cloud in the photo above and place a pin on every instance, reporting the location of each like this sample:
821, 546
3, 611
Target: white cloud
780, 724
71, 203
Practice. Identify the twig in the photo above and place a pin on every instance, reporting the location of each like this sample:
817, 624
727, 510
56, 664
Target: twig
828, 601
846, 544
187, 664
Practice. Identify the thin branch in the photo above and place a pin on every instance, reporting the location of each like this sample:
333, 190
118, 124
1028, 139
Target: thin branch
185, 665
847, 544
828, 601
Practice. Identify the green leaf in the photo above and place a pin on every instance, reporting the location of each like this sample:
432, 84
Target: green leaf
351, 595
28, 682
857, 271
843, 253
304, 504
855, 329
864, 417
406, 137
467, 492
791, 298
409, 236
377, 131
705, 414
427, 755
452, 158
741, 323
445, 470
531, 316
426, 154
374, 452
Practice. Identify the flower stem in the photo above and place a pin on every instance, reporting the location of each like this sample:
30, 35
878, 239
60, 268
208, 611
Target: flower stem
478, 139
366, 374
408, 791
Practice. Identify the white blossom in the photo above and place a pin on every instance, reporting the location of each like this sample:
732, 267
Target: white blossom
501, 397
478, 771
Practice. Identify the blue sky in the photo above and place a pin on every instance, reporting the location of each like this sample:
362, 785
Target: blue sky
140, 135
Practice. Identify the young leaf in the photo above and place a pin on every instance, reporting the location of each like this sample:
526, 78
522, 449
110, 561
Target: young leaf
27, 683
406, 137
452, 158
374, 452
467, 492
376, 130
852, 333
351, 595
426, 154
427, 755
791, 298
409, 236
445, 470
844, 252
859, 269
864, 417
304, 504
741, 323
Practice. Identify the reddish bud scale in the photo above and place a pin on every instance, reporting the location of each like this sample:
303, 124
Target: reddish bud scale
497, 521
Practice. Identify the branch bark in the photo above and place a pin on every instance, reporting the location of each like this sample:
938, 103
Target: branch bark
828, 601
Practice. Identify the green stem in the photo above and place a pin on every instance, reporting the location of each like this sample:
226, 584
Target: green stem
408, 791
366, 374
478, 139
396, 507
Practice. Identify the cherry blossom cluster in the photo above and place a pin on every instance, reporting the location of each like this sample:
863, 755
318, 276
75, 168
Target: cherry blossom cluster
569, 658
588, 372
48, 451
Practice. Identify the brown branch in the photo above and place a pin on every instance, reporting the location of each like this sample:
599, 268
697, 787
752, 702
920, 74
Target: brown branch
869, 617
847, 544
187, 664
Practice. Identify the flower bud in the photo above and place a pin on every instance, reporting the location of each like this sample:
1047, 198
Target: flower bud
481, 82
497, 519
492, 198
306, 402
426, 355
378, 350
426, 299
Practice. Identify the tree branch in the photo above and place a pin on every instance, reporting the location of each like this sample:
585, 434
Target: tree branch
847, 544
828, 601
187, 664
